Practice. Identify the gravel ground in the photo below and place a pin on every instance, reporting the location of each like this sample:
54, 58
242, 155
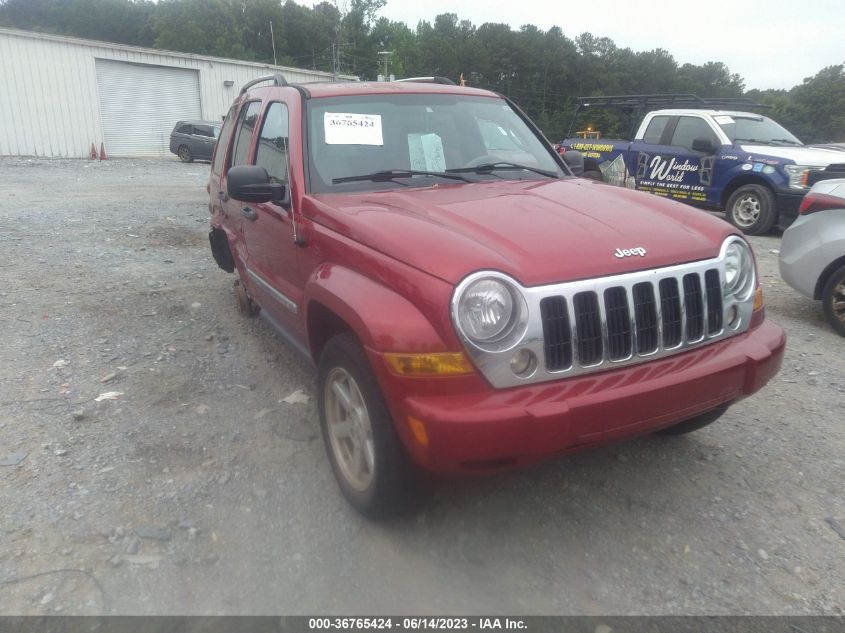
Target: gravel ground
199, 489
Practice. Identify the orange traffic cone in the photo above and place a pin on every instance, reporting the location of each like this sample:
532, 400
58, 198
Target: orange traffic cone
103, 152
93, 154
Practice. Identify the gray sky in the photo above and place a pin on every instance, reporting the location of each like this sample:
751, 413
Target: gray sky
770, 43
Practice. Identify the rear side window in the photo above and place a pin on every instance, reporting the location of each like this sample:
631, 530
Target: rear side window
654, 131
183, 129
223, 142
690, 128
272, 150
203, 130
243, 136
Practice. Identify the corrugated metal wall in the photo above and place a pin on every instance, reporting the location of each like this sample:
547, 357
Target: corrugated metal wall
49, 102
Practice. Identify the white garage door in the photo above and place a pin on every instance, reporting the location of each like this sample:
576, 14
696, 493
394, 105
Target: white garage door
140, 104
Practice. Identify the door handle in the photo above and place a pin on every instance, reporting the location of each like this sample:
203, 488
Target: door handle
249, 213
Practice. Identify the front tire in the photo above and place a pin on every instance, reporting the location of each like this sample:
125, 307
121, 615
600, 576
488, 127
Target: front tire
365, 453
833, 301
693, 424
751, 209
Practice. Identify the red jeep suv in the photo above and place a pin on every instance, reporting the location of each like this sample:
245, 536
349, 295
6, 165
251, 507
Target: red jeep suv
469, 305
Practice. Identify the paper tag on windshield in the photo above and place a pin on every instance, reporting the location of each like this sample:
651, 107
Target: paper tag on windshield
426, 152
344, 128
723, 119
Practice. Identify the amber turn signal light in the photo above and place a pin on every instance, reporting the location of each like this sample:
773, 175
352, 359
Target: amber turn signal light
436, 364
758, 299
418, 429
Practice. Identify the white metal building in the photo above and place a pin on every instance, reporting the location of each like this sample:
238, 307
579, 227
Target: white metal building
58, 95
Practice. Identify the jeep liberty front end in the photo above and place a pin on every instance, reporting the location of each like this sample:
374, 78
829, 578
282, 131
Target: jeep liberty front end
469, 305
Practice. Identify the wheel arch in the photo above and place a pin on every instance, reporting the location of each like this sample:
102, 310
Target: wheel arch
741, 181
323, 324
831, 268
338, 300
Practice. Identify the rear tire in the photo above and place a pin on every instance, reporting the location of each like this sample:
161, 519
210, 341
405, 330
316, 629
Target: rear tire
364, 450
751, 209
185, 155
833, 301
246, 305
693, 424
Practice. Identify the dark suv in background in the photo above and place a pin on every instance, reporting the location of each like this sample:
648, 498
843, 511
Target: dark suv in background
192, 140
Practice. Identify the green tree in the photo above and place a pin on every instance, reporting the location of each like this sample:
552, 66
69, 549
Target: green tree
205, 27
543, 71
122, 21
254, 22
358, 51
820, 103
712, 79
401, 41
308, 34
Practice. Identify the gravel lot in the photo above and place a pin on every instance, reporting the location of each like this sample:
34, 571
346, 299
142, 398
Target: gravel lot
200, 490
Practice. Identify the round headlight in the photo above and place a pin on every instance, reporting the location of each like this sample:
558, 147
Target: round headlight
739, 269
486, 310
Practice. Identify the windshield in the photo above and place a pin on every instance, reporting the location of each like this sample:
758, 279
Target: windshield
755, 130
408, 139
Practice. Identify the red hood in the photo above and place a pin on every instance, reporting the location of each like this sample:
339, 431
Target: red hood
538, 232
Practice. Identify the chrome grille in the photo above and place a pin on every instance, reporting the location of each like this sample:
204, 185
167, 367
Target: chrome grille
610, 325
595, 324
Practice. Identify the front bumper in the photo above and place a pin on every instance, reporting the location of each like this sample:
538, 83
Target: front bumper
800, 260
809, 247
493, 429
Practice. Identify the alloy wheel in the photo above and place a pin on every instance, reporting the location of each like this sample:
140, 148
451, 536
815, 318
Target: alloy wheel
350, 429
838, 304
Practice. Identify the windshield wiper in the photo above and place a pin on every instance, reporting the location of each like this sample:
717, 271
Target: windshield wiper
746, 140
392, 174
501, 165
785, 140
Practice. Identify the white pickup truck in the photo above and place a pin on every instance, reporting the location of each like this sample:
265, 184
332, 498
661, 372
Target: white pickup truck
710, 154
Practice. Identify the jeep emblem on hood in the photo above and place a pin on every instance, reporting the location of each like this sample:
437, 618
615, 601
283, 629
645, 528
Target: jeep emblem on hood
629, 252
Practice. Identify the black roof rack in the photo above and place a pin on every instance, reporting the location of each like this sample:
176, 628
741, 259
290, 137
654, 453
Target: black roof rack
635, 102
277, 79
428, 80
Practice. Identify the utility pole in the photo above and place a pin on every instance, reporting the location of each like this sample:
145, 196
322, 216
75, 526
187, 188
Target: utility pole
385, 56
273, 41
334, 61
337, 45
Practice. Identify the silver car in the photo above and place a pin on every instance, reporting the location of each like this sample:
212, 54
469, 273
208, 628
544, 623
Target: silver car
812, 254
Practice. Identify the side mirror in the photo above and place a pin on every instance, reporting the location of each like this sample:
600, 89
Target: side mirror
574, 160
250, 183
704, 145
